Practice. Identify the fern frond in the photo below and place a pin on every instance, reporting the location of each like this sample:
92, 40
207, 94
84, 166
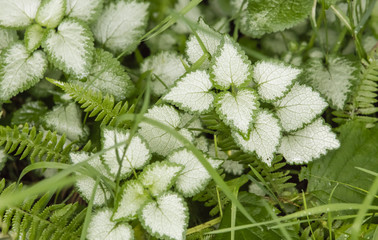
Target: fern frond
33, 219
362, 106
103, 108
38, 145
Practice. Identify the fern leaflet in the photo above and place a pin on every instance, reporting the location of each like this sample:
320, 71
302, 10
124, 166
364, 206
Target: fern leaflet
93, 101
38, 145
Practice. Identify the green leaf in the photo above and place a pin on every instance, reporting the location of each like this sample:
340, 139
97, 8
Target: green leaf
136, 156
131, 198
120, 25
231, 66
159, 141
334, 80
167, 217
85, 10
194, 176
20, 70
166, 68
50, 13
255, 206
264, 137
107, 76
192, 92
3, 158
70, 48
18, 13
30, 112
308, 143
33, 37
298, 107
7, 36
67, 120
261, 17
102, 227
159, 176
358, 149
237, 110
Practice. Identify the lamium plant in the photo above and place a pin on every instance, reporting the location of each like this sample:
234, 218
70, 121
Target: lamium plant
231, 119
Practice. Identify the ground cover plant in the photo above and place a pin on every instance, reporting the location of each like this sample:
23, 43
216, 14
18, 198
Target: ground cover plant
178, 119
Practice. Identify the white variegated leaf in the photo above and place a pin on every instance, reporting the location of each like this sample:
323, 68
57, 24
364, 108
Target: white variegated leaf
298, 107
194, 177
70, 48
50, 13
159, 141
233, 167
166, 218
264, 137
67, 120
108, 77
210, 39
231, 66
192, 92
120, 25
308, 143
33, 37
132, 197
159, 176
7, 36
193, 15
20, 70
101, 227
188, 120
333, 81
85, 184
166, 68
273, 79
237, 110
18, 13
84, 10
136, 156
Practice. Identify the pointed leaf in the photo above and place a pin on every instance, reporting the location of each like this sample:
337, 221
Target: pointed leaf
51, 13
108, 77
334, 81
261, 17
86, 184
299, 106
166, 68
132, 197
3, 158
308, 143
237, 111
70, 48
120, 25
102, 227
167, 217
231, 66
159, 141
159, 177
67, 120
273, 79
194, 176
33, 37
85, 10
18, 13
210, 39
7, 36
192, 92
264, 137
20, 70
136, 156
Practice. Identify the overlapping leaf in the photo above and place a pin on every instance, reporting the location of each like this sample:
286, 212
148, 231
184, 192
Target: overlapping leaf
192, 92
85, 10
18, 13
50, 13
298, 107
308, 143
264, 137
33, 37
